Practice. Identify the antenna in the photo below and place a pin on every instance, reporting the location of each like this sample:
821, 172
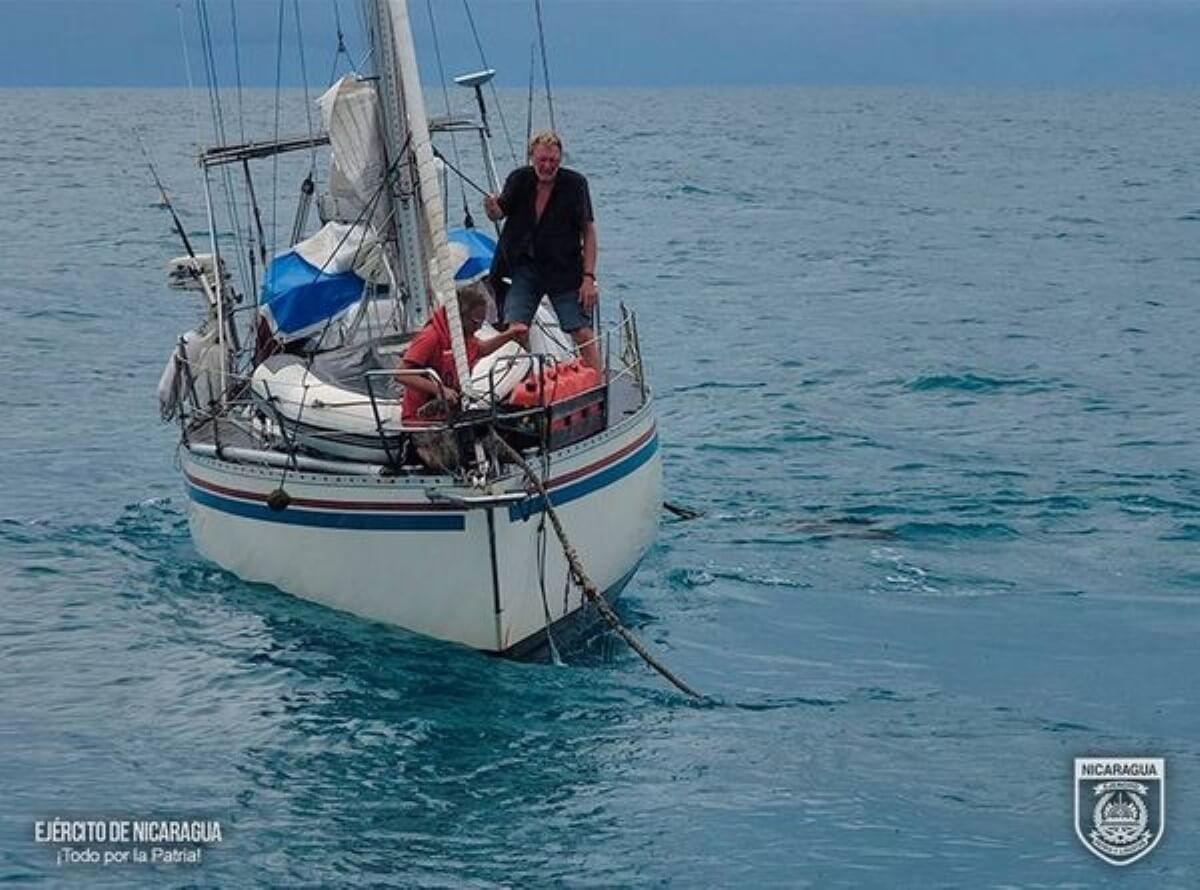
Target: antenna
475, 80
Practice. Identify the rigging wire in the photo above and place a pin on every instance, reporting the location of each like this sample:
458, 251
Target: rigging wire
366, 28
304, 79
214, 95
210, 71
187, 65
491, 85
250, 208
308, 187
529, 99
237, 67
437, 52
275, 159
537, 4
462, 177
341, 45
218, 278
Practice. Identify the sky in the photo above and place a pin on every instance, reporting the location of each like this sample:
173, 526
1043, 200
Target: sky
651, 43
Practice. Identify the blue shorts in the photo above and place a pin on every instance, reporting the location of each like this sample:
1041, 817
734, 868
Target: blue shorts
524, 294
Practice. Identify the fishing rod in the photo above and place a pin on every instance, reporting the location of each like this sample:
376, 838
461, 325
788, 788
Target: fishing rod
166, 200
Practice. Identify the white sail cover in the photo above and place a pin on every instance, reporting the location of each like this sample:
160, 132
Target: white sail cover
350, 113
339, 247
318, 279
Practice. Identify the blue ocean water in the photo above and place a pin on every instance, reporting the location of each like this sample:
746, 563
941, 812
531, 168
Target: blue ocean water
926, 361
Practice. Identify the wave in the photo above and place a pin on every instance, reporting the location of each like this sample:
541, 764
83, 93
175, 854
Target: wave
975, 383
955, 531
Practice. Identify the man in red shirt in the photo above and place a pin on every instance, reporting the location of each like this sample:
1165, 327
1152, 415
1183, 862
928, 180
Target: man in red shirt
431, 349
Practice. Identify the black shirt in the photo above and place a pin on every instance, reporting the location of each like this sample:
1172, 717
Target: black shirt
554, 243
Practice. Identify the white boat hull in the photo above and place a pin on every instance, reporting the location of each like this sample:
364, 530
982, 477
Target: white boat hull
381, 548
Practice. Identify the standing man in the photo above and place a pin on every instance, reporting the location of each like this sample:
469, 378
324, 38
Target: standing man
548, 245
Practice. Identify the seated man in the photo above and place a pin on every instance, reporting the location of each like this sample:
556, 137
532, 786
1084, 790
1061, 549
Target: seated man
431, 349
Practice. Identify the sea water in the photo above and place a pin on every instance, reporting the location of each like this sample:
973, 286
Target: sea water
924, 359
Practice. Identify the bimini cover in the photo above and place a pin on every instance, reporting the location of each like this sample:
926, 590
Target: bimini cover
314, 281
471, 253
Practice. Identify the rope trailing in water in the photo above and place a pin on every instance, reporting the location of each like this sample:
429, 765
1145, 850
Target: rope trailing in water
589, 588
684, 513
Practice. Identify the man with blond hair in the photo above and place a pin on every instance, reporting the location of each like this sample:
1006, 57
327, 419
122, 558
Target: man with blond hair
548, 245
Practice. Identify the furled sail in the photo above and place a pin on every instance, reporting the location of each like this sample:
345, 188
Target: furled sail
428, 267
350, 113
441, 272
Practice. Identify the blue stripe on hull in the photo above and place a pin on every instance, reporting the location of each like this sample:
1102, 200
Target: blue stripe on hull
576, 490
432, 521
420, 522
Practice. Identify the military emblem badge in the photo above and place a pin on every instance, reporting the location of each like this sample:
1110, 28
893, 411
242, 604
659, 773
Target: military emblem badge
1120, 806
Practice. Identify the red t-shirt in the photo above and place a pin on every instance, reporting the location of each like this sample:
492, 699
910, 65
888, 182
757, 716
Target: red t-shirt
431, 349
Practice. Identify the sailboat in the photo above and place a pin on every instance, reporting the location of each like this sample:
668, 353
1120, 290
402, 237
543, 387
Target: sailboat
300, 471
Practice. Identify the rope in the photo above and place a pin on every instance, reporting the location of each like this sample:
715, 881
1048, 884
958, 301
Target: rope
541, 549
684, 513
589, 588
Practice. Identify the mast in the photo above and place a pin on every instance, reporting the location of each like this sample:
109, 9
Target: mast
425, 264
